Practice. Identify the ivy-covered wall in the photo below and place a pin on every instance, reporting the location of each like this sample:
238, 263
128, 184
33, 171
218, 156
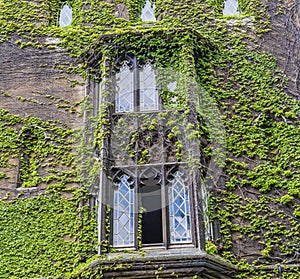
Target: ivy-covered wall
247, 63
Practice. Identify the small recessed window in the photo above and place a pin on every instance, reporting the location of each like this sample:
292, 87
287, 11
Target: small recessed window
65, 17
231, 7
148, 12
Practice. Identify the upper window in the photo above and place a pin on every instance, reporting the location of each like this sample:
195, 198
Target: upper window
65, 17
135, 86
231, 7
148, 12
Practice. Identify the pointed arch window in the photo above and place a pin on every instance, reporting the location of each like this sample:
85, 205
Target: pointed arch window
161, 206
65, 16
231, 7
123, 205
179, 209
135, 86
148, 12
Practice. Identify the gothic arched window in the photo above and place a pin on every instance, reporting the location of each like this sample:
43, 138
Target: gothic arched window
148, 12
65, 16
135, 86
157, 198
123, 206
231, 7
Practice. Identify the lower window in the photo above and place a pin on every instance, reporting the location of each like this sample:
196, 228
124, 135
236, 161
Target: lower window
151, 206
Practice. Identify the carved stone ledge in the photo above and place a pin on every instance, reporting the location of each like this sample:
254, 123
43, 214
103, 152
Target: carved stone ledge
179, 263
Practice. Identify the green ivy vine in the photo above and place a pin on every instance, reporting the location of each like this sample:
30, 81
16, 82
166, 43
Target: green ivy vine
53, 234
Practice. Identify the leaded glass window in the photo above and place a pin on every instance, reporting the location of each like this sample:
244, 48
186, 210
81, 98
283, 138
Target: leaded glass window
135, 86
65, 17
231, 7
148, 91
124, 92
123, 216
179, 209
156, 199
148, 12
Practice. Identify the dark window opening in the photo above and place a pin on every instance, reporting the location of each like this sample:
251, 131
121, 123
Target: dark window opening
152, 215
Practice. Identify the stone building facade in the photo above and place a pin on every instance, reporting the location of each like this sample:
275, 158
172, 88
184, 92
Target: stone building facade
175, 122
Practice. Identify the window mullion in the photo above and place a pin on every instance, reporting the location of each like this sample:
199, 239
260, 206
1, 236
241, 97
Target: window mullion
197, 211
137, 197
136, 86
137, 206
164, 204
160, 103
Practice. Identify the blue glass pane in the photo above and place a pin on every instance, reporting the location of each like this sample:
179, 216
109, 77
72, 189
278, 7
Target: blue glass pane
65, 17
148, 91
124, 92
179, 210
123, 217
231, 7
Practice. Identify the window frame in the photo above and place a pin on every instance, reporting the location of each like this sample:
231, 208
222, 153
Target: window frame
135, 66
165, 185
59, 21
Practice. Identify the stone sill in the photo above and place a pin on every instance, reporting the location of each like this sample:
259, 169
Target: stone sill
172, 263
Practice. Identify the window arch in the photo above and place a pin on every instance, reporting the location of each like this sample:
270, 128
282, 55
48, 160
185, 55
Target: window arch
231, 7
65, 16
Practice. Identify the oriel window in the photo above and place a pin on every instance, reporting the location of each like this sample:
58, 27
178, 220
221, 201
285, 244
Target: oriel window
150, 193
147, 182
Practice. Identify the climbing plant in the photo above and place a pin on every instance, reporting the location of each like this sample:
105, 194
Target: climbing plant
53, 233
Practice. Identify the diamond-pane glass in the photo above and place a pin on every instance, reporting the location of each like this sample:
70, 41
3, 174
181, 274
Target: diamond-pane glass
148, 12
231, 7
65, 17
124, 93
148, 92
179, 210
123, 217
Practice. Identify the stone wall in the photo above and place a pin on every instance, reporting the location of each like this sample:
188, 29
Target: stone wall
283, 41
35, 83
